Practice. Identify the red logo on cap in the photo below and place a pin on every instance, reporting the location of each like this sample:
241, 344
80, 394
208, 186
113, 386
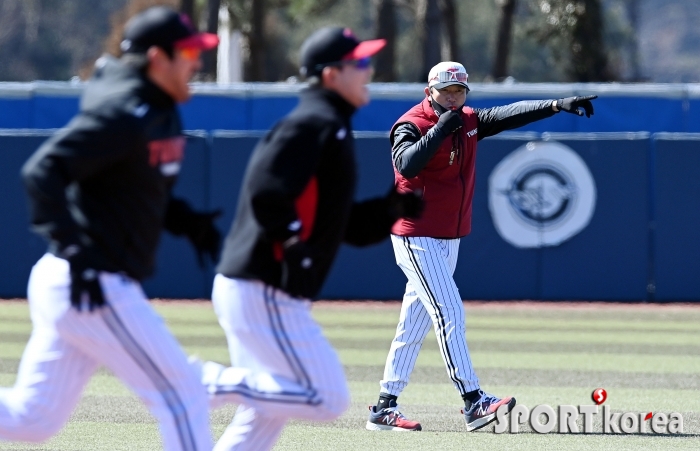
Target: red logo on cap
348, 33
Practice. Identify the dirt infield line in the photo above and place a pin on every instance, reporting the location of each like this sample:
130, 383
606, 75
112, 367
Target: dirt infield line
470, 304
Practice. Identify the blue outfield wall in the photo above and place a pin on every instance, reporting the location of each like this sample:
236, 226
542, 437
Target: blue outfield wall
641, 241
676, 228
257, 106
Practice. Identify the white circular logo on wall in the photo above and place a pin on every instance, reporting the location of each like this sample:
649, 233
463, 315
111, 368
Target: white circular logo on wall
541, 194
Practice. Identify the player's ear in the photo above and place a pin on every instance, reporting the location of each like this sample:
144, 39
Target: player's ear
329, 76
427, 91
156, 55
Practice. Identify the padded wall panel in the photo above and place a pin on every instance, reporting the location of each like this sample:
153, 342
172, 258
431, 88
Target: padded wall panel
489, 267
676, 198
19, 247
609, 259
368, 272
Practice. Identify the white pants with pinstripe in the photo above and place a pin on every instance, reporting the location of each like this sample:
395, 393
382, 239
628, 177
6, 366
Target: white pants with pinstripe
67, 347
282, 365
431, 299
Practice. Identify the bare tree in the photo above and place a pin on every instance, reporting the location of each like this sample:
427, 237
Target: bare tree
505, 31
633, 16
574, 33
263, 59
589, 60
428, 23
385, 28
254, 70
450, 39
11, 13
209, 58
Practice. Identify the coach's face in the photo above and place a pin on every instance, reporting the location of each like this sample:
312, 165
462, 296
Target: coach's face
450, 97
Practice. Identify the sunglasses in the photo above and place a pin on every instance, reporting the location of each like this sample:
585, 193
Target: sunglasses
362, 63
190, 53
444, 77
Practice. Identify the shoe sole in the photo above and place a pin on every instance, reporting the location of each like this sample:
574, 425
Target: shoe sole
380, 427
481, 422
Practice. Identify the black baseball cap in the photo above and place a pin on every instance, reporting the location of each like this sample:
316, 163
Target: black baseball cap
333, 45
164, 27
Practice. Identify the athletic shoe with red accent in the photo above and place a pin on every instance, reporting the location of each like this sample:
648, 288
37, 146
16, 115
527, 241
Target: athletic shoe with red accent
484, 410
390, 419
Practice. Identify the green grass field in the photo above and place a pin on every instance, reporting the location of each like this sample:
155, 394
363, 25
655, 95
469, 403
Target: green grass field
646, 357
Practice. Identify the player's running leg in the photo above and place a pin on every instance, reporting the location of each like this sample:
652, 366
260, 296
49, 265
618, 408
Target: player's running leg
250, 430
139, 349
52, 375
126, 335
282, 365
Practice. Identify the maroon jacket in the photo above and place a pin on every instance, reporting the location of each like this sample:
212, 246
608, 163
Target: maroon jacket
447, 181
446, 174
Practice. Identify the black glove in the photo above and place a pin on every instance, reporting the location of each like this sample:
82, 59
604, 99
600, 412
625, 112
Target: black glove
572, 105
449, 122
83, 280
203, 235
298, 269
198, 227
405, 205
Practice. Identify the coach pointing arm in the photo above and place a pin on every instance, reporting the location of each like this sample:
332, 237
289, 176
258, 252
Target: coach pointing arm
411, 151
500, 118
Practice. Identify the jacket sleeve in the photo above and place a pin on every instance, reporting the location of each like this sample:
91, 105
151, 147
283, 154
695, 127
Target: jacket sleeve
78, 152
283, 171
507, 117
369, 222
411, 151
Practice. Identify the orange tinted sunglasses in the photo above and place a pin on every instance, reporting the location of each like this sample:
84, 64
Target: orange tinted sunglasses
190, 53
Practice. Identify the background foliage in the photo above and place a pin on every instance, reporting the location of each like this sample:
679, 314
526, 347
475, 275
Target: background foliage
548, 40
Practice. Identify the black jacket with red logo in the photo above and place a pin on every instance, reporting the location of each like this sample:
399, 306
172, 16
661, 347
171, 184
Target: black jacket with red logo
301, 181
103, 182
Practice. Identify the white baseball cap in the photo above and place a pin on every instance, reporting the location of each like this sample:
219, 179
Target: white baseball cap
446, 74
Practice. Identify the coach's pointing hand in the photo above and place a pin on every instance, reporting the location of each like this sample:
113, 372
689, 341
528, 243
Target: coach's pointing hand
84, 281
572, 105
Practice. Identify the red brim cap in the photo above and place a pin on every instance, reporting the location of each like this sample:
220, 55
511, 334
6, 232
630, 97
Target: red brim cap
203, 41
365, 49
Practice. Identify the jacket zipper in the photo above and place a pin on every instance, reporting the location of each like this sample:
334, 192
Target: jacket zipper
460, 159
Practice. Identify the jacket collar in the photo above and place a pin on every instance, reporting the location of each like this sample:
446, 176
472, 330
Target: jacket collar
316, 94
429, 111
154, 95
114, 77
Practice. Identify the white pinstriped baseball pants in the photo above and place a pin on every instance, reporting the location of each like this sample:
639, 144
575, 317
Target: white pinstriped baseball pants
282, 365
66, 348
431, 298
